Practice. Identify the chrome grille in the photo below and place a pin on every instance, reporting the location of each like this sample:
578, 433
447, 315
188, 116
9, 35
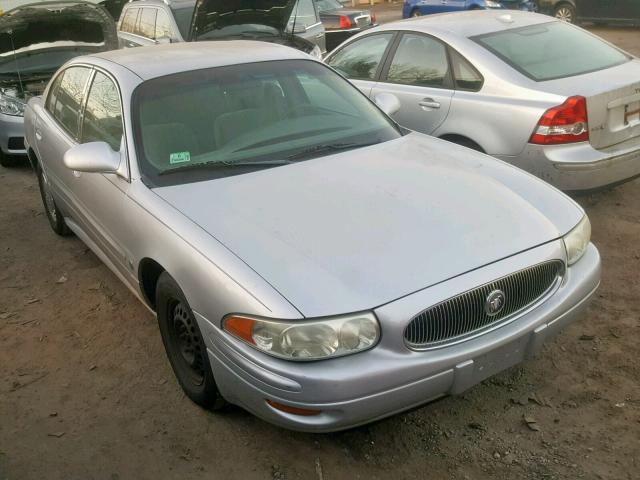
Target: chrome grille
465, 315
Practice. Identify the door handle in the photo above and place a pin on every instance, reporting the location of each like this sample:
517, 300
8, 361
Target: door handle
38, 135
429, 104
320, 35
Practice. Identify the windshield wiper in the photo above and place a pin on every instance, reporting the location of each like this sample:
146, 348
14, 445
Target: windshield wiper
328, 147
218, 164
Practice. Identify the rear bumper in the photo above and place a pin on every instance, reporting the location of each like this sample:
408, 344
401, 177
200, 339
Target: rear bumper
390, 378
12, 135
580, 167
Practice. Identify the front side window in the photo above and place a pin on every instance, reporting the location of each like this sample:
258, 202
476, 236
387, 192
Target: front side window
163, 25
360, 60
231, 120
304, 13
420, 60
68, 98
551, 50
129, 20
465, 75
147, 26
102, 120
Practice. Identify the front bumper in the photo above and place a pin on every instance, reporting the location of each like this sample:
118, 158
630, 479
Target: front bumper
390, 378
579, 166
12, 135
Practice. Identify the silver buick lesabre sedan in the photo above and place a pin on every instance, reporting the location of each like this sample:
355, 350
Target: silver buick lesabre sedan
307, 259
534, 91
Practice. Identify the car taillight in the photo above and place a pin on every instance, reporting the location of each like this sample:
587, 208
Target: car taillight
566, 123
373, 18
345, 22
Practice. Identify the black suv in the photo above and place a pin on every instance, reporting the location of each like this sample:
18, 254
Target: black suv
597, 11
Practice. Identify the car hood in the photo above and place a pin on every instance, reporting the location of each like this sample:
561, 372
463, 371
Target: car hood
40, 37
217, 15
355, 230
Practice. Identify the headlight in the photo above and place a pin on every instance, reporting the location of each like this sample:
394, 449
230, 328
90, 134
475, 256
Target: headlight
577, 240
491, 4
10, 105
316, 52
306, 340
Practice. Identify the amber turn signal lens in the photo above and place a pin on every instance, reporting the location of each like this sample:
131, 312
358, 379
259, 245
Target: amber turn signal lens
293, 410
241, 327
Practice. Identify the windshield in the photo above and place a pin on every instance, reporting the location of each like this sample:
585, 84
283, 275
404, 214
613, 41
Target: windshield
225, 121
551, 50
324, 5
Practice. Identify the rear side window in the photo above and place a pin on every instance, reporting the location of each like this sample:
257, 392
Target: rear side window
420, 60
465, 75
102, 119
147, 25
360, 60
65, 103
163, 25
129, 20
551, 50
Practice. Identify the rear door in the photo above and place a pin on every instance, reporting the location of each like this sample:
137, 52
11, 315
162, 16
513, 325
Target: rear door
308, 24
361, 61
418, 73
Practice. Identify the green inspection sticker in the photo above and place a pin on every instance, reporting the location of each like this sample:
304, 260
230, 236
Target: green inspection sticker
179, 157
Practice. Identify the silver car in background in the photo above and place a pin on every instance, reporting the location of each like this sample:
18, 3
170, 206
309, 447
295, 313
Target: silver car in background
536, 92
307, 259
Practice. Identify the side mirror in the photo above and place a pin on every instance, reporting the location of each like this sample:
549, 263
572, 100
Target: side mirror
388, 103
163, 40
96, 157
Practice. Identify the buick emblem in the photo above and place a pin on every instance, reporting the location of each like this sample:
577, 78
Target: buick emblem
495, 302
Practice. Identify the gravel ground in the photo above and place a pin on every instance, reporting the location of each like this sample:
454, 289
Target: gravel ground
86, 391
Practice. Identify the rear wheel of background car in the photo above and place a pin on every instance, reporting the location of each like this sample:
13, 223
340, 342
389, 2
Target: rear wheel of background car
415, 13
184, 345
54, 215
566, 13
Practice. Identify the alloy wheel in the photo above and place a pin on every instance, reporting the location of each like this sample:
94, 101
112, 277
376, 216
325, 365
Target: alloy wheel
565, 14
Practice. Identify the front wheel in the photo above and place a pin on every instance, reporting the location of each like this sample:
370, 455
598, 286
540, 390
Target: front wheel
415, 13
184, 345
54, 215
566, 13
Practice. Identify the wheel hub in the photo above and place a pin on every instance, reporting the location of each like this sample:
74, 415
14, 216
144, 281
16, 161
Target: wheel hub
188, 343
564, 14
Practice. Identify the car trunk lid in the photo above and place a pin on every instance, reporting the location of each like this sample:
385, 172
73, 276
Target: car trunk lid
613, 101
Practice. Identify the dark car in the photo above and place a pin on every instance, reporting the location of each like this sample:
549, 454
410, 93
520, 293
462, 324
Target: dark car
294, 23
35, 40
340, 23
597, 11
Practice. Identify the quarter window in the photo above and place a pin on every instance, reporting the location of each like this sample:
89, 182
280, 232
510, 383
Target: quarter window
419, 60
102, 120
360, 60
147, 26
67, 99
465, 74
129, 20
163, 25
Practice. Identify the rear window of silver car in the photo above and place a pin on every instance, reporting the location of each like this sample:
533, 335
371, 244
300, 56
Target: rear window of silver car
551, 50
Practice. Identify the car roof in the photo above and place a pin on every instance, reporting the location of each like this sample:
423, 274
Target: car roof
159, 60
469, 23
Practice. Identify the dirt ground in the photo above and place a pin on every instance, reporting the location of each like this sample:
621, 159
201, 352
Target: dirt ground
86, 391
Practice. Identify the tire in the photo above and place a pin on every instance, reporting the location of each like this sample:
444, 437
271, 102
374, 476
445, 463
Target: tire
565, 12
184, 345
415, 13
54, 215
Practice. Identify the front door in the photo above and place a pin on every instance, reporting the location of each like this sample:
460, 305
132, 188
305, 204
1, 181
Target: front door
419, 76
